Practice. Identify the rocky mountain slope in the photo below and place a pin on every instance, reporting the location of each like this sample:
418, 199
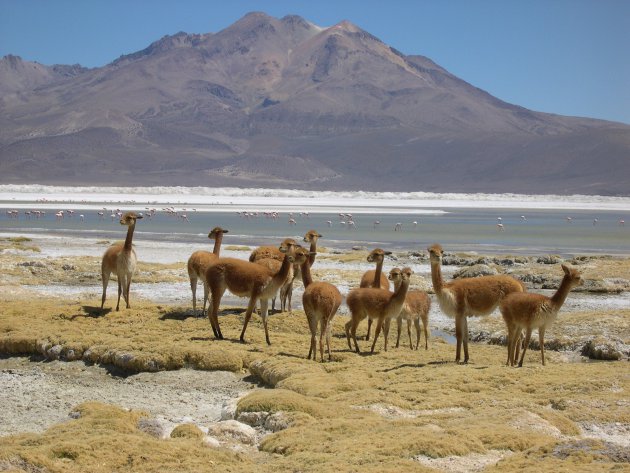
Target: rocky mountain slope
273, 102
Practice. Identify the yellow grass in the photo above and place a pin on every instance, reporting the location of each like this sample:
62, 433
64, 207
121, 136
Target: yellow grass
356, 413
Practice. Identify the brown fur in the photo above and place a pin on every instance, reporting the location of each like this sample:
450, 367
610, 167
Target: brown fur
468, 297
320, 300
200, 261
375, 303
121, 258
375, 277
524, 311
245, 279
286, 292
415, 309
272, 252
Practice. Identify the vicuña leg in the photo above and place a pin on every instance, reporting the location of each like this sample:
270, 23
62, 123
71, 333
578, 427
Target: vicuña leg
248, 314
119, 293
264, 305
541, 339
193, 288
528, 336
377, 332
105, 278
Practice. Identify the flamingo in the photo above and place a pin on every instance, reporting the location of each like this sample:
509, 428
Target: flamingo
398, 227
622, 223
329, 222
569, 219
500, 227
595, 221
292, 221
376, 223
523, 218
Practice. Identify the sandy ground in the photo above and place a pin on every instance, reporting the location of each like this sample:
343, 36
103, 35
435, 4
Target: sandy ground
38, 394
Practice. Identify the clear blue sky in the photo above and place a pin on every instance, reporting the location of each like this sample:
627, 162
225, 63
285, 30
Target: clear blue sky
570, 57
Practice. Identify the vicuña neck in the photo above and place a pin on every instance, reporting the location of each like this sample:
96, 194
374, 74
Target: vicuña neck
127, 246
377, 274
217, 244
561, 294
307, 279
282, 274
399, 296
313, 253
436, 276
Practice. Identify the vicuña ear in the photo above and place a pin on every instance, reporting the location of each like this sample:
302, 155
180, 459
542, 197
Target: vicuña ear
319, 235
387, 252
225, 231
565, 268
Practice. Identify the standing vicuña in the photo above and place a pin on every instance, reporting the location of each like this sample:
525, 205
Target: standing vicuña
320, 301
379, 304
375, 277
121, 258
245, 279
529, 311
468, 297
198, 264
258, 255
416, 308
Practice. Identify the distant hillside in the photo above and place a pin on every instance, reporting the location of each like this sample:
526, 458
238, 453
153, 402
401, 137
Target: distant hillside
273, 102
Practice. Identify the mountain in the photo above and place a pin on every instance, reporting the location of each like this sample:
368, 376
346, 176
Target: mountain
273, 102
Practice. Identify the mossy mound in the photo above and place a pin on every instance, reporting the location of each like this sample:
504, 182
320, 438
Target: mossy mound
187, 431
357, 413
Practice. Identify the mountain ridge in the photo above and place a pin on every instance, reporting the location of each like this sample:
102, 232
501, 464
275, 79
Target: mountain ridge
241, 106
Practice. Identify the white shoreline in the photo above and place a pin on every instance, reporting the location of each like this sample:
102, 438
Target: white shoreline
234, 199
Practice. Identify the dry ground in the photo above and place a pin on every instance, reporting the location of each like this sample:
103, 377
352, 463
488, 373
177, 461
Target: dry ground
404, 410
399, 410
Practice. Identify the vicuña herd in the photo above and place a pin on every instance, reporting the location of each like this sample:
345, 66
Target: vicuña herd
272, 270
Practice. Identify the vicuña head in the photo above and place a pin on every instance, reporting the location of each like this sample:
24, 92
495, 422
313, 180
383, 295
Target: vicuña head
377, 255
435, 252
129, 218
311, 236
216, 232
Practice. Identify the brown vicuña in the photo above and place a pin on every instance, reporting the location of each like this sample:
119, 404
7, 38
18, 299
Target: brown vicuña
245, 279
121, 258
286, 294
468, 297
375, 277
375, 303
527, 311
320, 301
415, 309
273, 252
198, 264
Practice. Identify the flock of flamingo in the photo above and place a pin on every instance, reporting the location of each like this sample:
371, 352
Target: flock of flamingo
271, 271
